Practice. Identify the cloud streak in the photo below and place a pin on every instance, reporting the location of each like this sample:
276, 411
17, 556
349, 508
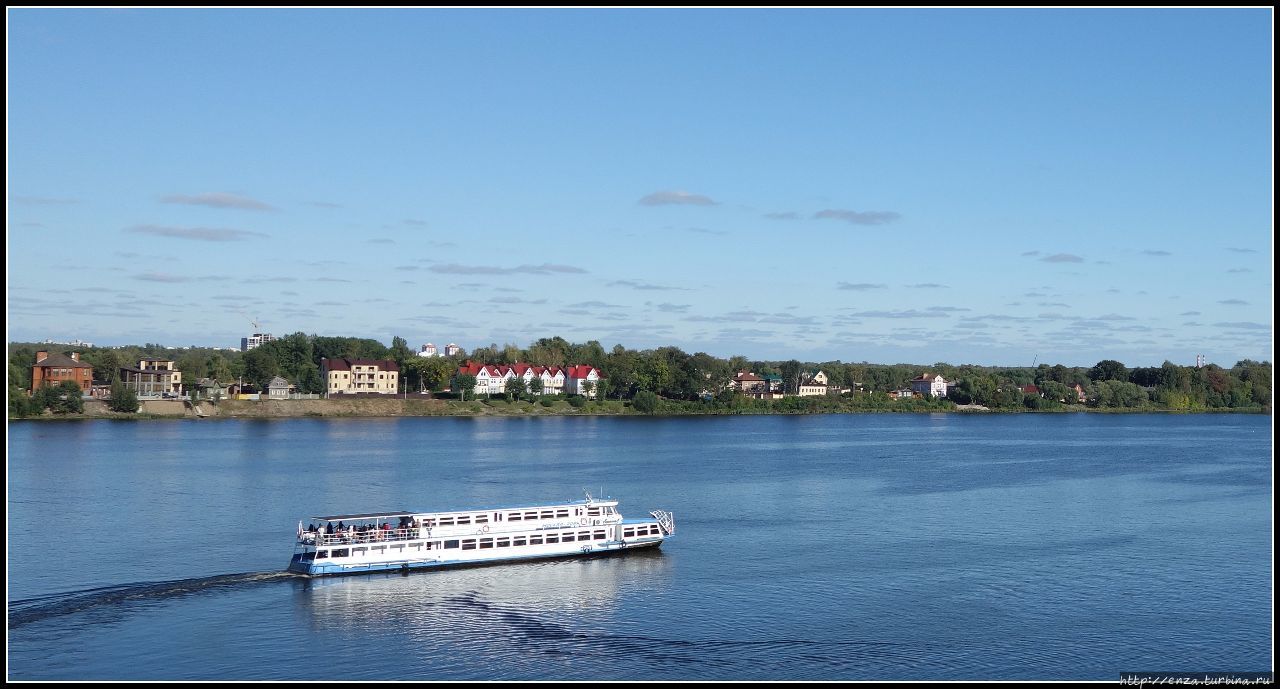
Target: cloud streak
668, 198
219, 200
204, 234
636, 284
543, 269
1063, 258
858, 217
859, 286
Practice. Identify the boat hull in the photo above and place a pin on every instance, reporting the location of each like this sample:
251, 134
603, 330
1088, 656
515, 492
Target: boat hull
319, 569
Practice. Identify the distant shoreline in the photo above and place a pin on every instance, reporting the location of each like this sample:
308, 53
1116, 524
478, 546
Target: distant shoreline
499, 408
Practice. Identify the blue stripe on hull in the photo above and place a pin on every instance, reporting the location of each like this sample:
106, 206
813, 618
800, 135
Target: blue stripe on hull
326, 569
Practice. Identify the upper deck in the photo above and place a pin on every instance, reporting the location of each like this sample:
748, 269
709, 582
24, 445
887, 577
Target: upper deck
404, 524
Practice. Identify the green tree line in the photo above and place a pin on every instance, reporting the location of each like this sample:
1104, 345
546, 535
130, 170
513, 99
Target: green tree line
661, 376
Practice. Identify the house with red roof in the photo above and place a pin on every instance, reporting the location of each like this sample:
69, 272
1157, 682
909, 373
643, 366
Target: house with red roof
583, 380
492, 379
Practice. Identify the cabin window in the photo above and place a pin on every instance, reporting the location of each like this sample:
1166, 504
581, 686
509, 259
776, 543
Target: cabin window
593, 511
321, 554
513, 517
503, 543
486, 543
566, 538
535, 540
341, 552
584, 535
445, 521
451, 544
548, 514
469, 544
359, 552
530, 515
464, 520
562, 513
482, 519
429, 523
518, 541
552, 538
628, 533
599, 536
577, 511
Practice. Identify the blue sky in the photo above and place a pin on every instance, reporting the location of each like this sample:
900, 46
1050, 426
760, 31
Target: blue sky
972, 186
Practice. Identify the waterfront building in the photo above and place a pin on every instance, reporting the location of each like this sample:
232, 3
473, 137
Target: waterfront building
52, 369
354, 376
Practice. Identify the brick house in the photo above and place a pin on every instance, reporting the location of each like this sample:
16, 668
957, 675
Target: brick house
52, 369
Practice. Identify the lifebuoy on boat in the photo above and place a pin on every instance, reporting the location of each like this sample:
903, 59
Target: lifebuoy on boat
484, 529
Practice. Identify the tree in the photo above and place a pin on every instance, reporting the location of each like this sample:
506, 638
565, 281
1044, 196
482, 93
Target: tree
1058, 392
1008, 395
1109, 369
105, 363
588, 388
516, 388
791, 372
400, 350
621, 364
437, 372
411, 373
646, 402
260, 366
123, 398
1115, 393
535, 386
67, 398
464, 383
21, 404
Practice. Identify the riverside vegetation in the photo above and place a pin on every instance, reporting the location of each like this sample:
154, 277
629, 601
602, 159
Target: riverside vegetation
666, 380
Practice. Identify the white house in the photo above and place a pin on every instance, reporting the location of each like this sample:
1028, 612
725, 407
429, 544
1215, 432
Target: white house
931, 385
579, 379
492, 379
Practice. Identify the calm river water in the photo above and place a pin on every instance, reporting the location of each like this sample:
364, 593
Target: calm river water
1055, 546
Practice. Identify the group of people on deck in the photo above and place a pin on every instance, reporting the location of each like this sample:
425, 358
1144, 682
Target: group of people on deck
365, 533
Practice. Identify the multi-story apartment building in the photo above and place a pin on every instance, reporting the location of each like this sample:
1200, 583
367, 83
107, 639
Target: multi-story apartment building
153, 378
351, 376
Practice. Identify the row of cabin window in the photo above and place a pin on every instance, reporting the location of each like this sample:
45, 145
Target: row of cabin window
565, 537
503, 542
511, 517
649, 530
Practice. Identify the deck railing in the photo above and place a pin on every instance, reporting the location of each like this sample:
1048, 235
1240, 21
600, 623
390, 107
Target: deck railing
348, 536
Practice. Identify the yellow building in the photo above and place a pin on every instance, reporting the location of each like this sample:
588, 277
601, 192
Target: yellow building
356, 376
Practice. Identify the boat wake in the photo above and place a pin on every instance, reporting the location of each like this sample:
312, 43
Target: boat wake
30, 610
540, 635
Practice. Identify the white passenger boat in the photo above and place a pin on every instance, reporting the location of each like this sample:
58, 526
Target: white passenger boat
356, 543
